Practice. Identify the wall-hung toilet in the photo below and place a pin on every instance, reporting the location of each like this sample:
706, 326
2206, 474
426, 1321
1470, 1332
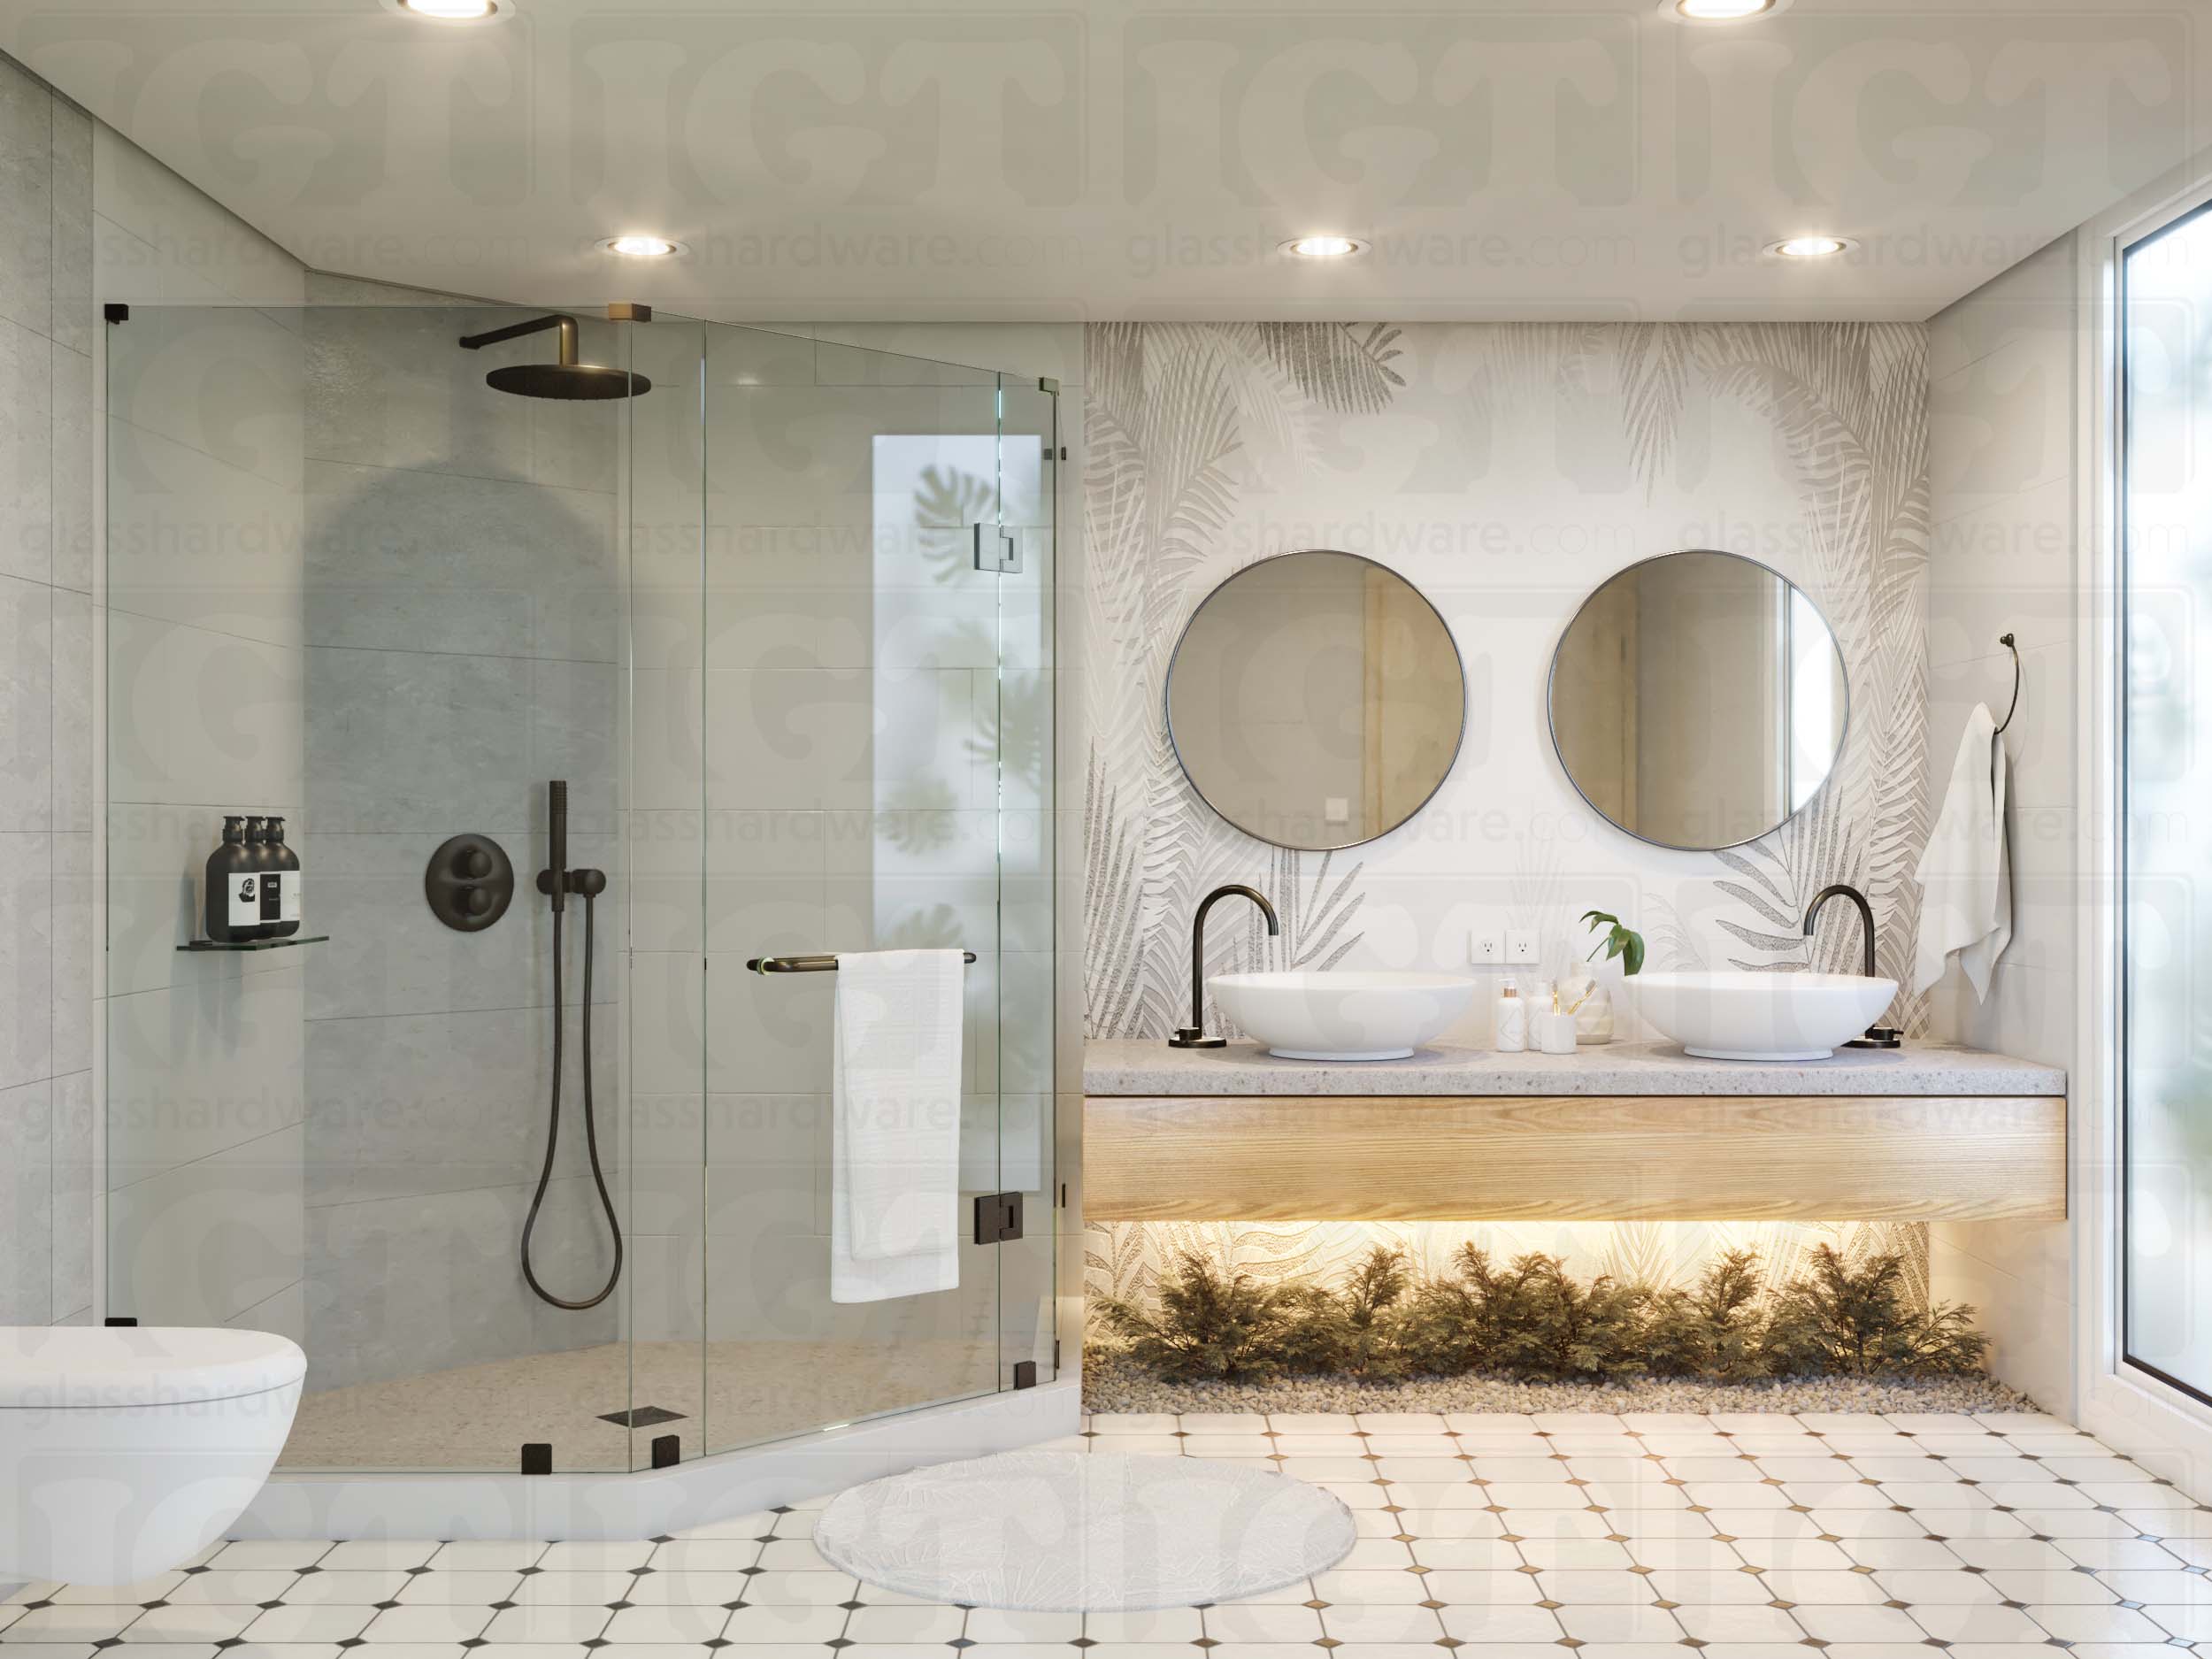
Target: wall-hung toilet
124, 1452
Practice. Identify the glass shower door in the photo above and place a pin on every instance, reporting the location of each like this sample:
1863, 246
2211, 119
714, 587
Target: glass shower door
857, 739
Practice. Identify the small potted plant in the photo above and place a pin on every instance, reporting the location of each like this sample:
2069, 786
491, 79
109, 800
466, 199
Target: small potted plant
1582, 994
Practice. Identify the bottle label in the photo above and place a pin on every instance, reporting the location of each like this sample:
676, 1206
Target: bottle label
245, 901
287, 896
271, 887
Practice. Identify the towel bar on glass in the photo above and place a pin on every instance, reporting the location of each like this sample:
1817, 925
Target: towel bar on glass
808, 965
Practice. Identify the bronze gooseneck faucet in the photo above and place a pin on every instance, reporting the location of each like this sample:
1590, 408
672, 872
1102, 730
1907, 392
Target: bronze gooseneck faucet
1194, 1035
1877, 1036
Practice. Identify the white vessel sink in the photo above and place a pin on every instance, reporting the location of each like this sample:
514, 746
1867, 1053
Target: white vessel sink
1352, 1016
1760, 1015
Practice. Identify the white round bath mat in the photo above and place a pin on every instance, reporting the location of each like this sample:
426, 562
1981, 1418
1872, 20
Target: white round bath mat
1084, 1532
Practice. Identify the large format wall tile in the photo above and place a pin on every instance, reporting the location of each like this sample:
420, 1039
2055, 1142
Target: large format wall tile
27, 966
26, 1203
27, 434
196, 1069
409, 1104
195, 538
398, 740
409, 1285
201, 717
26, 200
201, 1243
426, 561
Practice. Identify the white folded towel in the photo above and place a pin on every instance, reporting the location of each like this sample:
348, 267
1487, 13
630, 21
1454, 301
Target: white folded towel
895, 1202
1965, 876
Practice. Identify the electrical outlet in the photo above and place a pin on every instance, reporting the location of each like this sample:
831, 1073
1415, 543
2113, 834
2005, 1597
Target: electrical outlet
1487, 950
1520, 947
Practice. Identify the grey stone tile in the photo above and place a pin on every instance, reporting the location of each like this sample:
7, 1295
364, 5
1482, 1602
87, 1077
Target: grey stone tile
74, 948
72, 257
227, 381
27, 705
26, 1214
198, 716
26, 965
26, 433
27, 193
436, 562
404, 1285
195, 1069
201, 1243
391, 387
70, 469
72, 735
406, 1105
196, 539
72, 1209
401, 740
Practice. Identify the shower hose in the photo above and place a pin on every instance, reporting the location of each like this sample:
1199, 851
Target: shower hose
553, 1129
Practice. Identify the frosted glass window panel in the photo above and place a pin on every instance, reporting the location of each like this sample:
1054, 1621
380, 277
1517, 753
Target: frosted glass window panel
2167, 571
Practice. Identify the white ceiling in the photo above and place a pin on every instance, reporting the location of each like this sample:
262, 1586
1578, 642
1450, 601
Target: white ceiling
1111, 159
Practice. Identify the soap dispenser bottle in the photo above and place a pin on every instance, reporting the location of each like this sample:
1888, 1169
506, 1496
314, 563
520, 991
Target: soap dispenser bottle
284, 871
234, 890
1512, 1020
262, 861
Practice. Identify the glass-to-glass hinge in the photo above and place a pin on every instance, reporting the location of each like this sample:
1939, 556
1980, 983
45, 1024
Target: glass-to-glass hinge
996, 550
998, 1218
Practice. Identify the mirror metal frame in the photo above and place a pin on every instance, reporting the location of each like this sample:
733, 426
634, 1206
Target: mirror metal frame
1167, 698
1551, 698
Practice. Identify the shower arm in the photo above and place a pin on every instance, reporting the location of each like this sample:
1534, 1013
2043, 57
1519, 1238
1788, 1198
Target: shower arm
561, 320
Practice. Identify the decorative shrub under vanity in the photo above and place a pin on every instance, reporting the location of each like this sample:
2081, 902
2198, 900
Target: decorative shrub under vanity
1531, 1320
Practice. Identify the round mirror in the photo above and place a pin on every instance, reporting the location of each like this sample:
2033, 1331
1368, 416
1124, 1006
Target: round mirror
1316, 699
1698, 700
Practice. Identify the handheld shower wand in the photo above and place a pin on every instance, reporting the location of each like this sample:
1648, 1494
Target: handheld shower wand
554, 880
557, 882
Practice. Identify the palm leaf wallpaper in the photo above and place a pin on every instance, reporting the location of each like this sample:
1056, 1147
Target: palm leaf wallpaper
1505, 470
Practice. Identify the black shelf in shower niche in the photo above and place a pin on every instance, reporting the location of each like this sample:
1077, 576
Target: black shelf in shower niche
255, 944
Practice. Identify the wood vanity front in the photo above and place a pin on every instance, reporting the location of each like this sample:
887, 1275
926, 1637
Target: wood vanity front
1641, 1133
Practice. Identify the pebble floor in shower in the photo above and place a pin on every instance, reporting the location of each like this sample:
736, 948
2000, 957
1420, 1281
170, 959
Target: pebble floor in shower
1749, 1537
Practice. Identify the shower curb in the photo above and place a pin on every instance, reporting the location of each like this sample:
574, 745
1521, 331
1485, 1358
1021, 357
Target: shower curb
649, 1502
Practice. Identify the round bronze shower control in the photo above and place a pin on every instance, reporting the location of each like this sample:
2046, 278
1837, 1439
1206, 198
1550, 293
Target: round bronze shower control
470, 882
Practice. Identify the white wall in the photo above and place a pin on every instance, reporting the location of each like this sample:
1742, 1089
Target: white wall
2002, 413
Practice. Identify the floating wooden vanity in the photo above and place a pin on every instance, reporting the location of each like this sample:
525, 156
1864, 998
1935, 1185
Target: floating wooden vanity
1629, 1131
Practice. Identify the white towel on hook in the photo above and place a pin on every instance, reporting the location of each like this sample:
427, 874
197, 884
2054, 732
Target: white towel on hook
1965, 875
894, 1201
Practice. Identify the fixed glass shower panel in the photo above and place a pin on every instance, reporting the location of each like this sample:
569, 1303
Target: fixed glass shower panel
878, 573
350, 583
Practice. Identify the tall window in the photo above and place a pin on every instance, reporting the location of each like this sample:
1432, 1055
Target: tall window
2166, 801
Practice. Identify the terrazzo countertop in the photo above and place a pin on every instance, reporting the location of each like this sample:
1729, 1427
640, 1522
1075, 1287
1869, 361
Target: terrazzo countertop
1131, 1067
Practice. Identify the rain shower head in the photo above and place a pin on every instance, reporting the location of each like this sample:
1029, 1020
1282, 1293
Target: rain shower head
566, 379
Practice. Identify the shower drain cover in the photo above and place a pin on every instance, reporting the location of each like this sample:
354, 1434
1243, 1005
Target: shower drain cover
643, 1418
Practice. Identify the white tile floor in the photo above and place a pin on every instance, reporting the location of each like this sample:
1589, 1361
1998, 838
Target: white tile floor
1750, 1536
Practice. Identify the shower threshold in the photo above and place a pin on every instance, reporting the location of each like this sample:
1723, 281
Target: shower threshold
475, 1418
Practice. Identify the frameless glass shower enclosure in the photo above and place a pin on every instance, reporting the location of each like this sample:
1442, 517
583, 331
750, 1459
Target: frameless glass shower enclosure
747, 635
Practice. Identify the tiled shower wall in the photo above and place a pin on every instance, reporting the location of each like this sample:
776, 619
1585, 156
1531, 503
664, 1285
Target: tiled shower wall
462, 631
85, 217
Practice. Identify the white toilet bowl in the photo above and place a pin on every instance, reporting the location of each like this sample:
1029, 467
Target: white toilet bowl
124, 1452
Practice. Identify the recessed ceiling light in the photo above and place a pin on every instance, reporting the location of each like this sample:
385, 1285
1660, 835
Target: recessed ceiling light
1324, 246
1810, 246
640, 247
1721, 11
454, 10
